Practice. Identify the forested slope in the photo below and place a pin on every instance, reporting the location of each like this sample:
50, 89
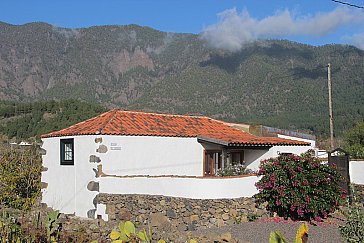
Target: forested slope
277, 83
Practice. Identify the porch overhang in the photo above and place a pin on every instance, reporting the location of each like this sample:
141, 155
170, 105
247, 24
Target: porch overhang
212, 140
202, 139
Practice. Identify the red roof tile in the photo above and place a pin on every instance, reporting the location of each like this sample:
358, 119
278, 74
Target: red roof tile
132, 123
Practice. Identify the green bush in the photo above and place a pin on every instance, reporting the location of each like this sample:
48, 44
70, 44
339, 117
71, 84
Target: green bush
354, 141
353, 230
20, 173
299, 187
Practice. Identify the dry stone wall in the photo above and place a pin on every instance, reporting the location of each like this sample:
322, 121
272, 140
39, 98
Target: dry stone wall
183, 213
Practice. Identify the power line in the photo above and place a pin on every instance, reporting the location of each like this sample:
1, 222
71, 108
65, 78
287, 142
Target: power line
349, 4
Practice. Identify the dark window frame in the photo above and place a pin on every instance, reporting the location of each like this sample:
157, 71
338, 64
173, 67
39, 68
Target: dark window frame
241, 155
63, 143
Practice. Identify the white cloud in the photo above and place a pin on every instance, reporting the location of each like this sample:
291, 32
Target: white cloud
356, 39
234, 30
68, 33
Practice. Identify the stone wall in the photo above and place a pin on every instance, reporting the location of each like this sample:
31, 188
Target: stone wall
183, 213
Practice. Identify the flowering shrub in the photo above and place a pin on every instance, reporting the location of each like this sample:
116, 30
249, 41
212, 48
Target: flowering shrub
299, 187
233, 170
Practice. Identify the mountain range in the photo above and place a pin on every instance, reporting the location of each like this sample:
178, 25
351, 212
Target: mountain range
272, 82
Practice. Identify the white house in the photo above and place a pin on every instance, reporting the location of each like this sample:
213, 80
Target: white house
127, 152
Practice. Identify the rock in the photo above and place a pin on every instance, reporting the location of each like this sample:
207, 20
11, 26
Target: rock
142, 211
158, 219
233, 212
181, 205
94, 159
101, 222
93, 227
91, 213
162, 202
191, 227
213, 220
110, 210
194, 217
186, 220
212, 237
170, 213
244, 219
102, 149
189, 208
93, 186
220, 222
226, 237
43, 185
141, 218
42, 151
212, 211
181, 227
196, 211
219, 210
124, 214
225, 216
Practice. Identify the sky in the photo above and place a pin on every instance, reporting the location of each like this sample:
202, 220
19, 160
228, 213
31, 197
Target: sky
226, 24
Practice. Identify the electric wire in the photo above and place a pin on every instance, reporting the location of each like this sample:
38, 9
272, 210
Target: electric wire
349, 4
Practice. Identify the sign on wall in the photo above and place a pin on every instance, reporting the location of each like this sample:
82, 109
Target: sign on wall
115, 146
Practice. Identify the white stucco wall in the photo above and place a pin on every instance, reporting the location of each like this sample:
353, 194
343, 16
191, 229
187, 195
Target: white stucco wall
67, 184
195, 188
253, 158
147, 155
139, 155
356, 170
276, 150
126, 155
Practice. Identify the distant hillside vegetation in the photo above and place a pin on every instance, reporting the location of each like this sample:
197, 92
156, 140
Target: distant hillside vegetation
25, 120
276, 83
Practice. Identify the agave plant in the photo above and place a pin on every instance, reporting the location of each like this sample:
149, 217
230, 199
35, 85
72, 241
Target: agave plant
126, 232
301, 235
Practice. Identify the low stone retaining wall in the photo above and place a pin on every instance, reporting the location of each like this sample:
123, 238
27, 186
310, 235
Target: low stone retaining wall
185, 214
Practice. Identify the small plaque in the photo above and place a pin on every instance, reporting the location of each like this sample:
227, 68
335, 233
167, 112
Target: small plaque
115, 146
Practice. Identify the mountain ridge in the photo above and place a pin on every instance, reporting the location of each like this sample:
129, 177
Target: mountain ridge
275, 82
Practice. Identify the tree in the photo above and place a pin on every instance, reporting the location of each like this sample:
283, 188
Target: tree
354, 141
20, 175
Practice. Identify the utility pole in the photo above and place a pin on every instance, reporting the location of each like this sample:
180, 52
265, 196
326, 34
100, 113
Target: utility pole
330, 106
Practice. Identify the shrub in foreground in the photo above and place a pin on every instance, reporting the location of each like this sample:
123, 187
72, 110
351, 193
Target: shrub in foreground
20, 173
299, 187
353, 230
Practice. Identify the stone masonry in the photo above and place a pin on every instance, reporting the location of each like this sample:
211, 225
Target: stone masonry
186, 214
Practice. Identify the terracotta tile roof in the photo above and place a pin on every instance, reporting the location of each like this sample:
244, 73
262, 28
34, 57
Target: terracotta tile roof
133, 123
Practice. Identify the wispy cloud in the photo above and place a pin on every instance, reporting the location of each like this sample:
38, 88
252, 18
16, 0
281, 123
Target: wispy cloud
67, 32
234, 30
356, 40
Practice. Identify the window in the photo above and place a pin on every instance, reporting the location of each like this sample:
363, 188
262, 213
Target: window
67, 152
237, 158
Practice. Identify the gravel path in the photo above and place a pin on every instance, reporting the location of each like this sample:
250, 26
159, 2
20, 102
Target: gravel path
258, 232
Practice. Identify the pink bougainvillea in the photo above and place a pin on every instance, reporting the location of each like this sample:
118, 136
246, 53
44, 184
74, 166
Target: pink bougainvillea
299, 187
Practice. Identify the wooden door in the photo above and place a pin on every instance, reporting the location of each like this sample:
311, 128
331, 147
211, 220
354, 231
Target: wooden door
212, 162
